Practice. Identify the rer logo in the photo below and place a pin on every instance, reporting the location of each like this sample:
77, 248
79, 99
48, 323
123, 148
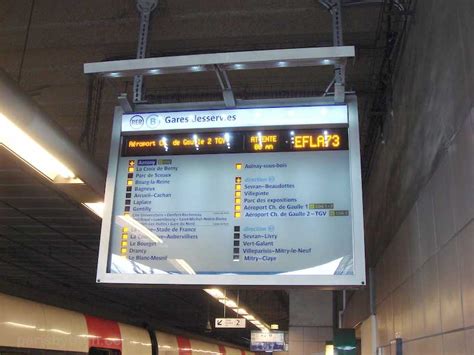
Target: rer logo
136, 121
153, 121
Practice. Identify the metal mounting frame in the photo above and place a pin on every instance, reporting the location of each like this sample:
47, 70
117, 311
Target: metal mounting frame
224, 82
124, 103
264, 59
334, 7
221, 63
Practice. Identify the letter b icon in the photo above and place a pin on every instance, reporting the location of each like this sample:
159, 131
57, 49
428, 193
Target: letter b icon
153, 121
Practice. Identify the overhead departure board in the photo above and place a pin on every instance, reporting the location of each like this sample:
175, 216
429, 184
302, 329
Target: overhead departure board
254, 196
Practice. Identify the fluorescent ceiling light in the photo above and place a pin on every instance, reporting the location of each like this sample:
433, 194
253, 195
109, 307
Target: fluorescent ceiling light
215, 292
128, 221
182, 265
264, 59
228, 303
96, 207
240, 311
221, 297
33, 153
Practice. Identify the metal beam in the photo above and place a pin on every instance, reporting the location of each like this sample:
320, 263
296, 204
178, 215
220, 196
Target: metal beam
124, 103
224, 82
396, 3
334, 7
279, 58
145, 7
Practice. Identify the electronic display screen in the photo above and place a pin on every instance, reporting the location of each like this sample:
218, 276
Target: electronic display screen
231, 205
268, 341
236, 142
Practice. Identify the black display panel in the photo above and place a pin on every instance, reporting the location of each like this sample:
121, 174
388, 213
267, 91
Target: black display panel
267, 141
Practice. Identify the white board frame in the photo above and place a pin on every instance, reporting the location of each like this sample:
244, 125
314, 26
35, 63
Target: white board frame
357, 279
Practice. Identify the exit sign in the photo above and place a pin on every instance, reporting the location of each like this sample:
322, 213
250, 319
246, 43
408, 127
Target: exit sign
230, 323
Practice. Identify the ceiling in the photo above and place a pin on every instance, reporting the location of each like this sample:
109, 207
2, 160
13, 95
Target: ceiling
65, 34
48, 249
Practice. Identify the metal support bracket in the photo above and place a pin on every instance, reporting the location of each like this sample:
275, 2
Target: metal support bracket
334, 8
145, 7
263, 59
124, 103
221, 63
224, 82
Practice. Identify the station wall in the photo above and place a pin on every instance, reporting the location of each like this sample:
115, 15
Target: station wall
425, 278
419, 199
311, 322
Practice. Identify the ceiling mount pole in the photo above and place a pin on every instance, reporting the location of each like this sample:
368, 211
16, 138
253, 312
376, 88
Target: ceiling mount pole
334, 8
145, 7
339, 69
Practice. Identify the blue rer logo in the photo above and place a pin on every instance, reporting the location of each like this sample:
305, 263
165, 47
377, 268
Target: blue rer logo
136, 121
